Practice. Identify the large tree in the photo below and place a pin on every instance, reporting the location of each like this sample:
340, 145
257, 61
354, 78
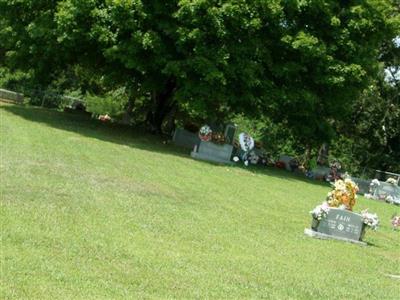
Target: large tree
371, 137
300, 62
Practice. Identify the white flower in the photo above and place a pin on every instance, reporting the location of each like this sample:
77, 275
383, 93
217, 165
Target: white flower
235, 159
389, 198
340, 185
391, 181
320, 211
246, 142
205, 130
368, 196
254, 159
246, 163
375, 182
370, 219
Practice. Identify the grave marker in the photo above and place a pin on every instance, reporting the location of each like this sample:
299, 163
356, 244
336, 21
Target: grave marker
184, 138
339, 224
230, 131
212, 152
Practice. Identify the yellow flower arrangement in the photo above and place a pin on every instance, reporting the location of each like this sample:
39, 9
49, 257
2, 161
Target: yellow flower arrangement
344, 194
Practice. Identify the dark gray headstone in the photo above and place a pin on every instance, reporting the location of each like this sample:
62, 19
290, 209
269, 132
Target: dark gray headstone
213, 152
185, 138
319, 172
341, 223
387, 189
363, 185
229, 134
286, 159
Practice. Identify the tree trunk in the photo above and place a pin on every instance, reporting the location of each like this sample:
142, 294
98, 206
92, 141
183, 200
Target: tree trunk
126, 118
163, 104
170, 120
307, 155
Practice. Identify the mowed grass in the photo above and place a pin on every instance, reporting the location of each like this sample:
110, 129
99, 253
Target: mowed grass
95, 211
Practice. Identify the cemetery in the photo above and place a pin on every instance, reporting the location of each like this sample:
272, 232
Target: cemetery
200, 149
216, 225
224, 149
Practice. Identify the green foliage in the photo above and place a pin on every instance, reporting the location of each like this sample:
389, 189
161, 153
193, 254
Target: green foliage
112, 103
276, 138
302, 65
371, 139
28, 39
297, 61
15, 81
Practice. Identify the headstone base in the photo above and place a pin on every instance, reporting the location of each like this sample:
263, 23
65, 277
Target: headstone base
323, 236
211, 152
201, 156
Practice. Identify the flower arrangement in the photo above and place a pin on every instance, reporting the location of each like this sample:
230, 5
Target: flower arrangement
368, 196
343, 193
280, 164
370, 219
218, 138
375, 183
391, 181
105, 118
343, 196
389, 199
253, 158
334, 173
320, 211
335, 164
205, 133
244, 147
396, 222
246, 141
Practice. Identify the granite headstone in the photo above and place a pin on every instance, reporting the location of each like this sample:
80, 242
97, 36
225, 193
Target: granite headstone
185, 138
212, 152
230, 131
341, 223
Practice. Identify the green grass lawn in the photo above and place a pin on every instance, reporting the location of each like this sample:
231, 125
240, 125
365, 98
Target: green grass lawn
95, 211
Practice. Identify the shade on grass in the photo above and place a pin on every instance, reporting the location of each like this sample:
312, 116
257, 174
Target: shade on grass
94, 211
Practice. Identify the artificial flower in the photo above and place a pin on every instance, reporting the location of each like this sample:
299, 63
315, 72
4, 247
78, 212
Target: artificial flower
205, 133
320, 211
392, 181
370, 219
344, 193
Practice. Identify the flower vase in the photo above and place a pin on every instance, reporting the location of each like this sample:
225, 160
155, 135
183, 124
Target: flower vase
363, 229
314, 224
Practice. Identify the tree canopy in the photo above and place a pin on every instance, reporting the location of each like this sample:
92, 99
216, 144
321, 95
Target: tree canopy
302, 63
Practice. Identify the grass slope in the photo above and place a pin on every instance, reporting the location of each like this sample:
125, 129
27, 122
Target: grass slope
91, 211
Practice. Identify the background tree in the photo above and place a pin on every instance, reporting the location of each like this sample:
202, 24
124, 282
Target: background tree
371, 138
301, 64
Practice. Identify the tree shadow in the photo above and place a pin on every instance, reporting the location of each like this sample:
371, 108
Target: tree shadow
370, 244
82, 123
285, 174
